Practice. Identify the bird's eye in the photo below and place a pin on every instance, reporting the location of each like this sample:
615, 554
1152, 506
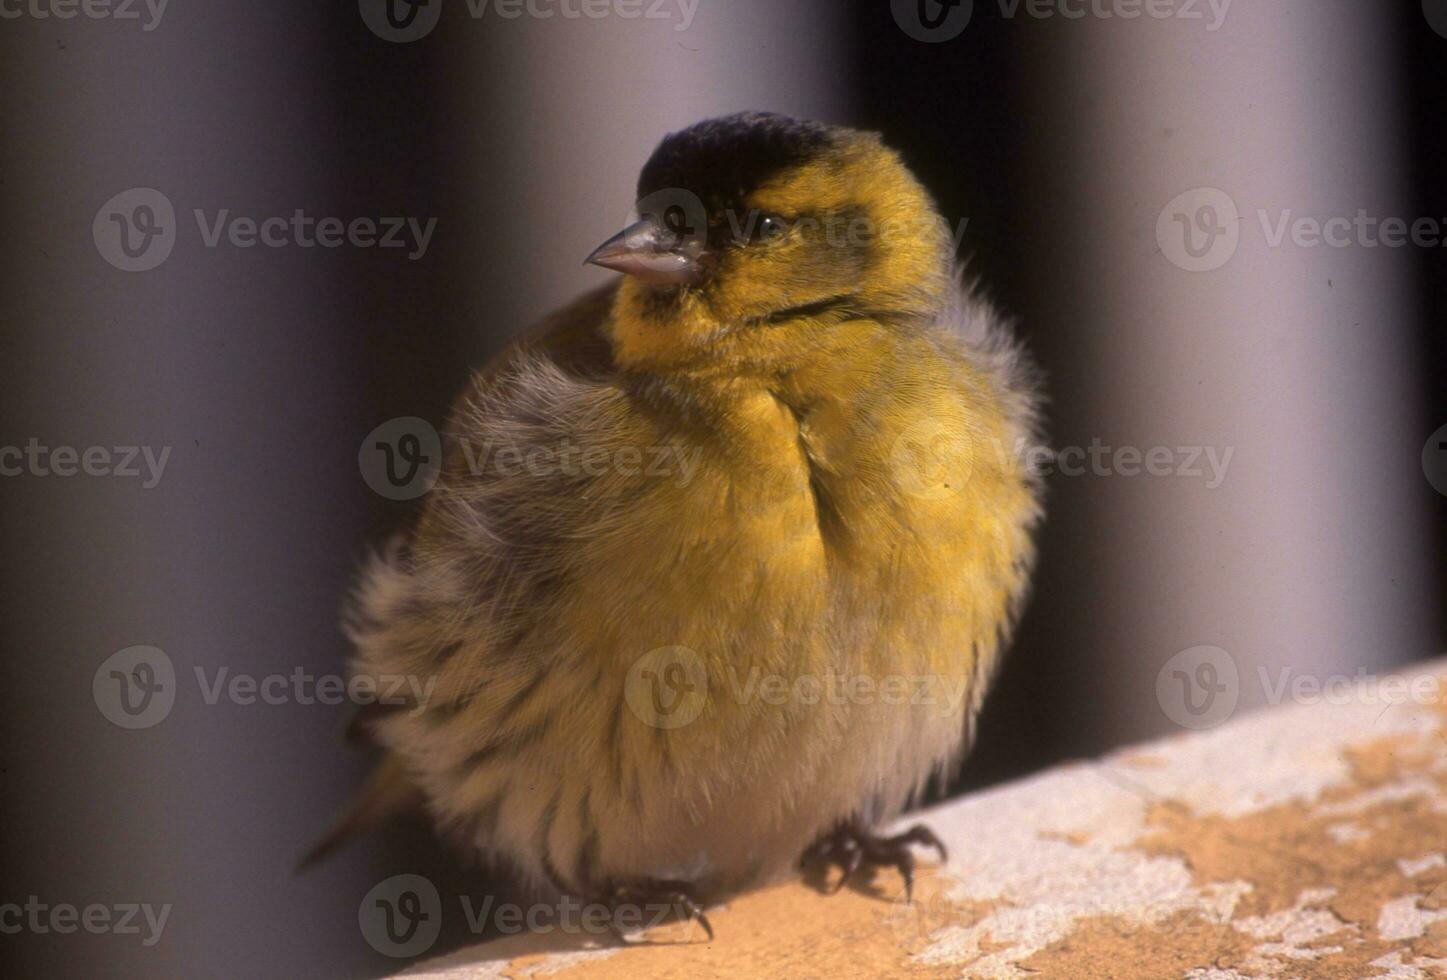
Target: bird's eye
769, 228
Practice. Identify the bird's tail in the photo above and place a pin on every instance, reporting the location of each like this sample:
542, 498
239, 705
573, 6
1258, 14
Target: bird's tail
388, 791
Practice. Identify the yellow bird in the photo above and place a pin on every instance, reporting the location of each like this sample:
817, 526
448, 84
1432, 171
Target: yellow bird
722, 556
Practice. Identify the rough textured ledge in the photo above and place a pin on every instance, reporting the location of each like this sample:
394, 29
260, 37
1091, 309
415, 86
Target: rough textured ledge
1304, 841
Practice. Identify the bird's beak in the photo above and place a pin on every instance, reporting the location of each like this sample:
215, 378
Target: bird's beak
648, 253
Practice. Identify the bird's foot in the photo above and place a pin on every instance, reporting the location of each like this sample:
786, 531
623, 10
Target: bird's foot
646, 901
853, 847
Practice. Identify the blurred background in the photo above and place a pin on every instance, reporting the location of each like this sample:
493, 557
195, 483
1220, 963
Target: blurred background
1137, 191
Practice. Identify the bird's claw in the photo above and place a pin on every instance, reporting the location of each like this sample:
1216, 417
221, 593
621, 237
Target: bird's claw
850, 846
644, 893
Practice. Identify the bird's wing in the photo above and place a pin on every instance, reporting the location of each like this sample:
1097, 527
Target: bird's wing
387, 792
398, 620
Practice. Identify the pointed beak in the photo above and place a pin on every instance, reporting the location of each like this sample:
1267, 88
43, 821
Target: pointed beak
649, 254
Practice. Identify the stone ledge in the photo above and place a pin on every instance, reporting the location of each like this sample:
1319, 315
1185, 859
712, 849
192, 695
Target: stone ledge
1301, 841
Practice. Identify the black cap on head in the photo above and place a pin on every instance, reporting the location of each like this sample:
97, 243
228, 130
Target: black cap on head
723, 159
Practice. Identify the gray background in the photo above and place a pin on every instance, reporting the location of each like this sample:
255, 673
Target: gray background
263, 369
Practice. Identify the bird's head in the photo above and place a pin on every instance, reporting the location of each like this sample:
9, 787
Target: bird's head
757, 232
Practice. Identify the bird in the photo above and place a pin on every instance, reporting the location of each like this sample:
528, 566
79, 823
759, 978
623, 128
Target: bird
723, 556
